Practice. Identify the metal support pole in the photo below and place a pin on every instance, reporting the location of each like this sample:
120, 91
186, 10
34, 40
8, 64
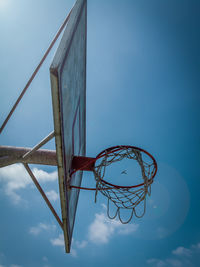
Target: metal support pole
35, 72
11, 155
43, 194
43, 142
7, 160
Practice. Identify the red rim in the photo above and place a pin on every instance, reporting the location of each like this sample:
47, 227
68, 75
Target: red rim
115, 149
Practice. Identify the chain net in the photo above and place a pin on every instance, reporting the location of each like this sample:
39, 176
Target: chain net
124, 197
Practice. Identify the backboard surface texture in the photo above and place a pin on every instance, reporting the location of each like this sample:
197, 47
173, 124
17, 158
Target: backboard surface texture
68, 85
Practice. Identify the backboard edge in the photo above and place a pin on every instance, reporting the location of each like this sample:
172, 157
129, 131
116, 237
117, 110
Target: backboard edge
62, 49
58, 142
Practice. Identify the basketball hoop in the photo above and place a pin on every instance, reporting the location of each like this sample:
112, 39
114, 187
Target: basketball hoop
123, 197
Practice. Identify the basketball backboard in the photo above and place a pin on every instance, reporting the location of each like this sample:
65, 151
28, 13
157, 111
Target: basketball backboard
68, 85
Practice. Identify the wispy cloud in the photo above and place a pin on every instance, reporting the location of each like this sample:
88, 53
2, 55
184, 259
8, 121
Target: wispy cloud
73, 252
181, 251
36, 230
11, 265
100, 232
196, 247
102, 229
166, 262
45, 262
180, 257
156, 262
15, 177
81, 244
128, 229
59, 241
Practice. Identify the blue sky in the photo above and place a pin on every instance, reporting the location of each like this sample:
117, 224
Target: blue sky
142, 90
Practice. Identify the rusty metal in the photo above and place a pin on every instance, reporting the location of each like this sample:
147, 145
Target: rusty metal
43, 194
7, 160
10, 155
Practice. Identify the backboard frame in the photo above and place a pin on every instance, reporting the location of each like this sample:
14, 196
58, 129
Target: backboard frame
69, 196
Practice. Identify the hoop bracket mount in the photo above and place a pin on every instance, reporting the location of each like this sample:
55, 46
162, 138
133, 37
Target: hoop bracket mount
80, 163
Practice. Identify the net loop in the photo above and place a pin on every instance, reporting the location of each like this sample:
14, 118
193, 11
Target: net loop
125, 197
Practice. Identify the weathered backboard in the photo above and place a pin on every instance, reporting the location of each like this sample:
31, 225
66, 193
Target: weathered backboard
68, 85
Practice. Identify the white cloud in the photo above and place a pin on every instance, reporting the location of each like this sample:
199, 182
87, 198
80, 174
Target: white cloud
41, 227
181, 251
99, 232
81, 244
73, 252
15, 177
59, 241
180, 257
101, 229
45, 260
128, 229
43, 176
163, 263
156, 262
196, 247
52, 195
15, 265
174, 262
